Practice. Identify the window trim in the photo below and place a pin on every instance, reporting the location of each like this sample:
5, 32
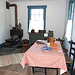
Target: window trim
37, 7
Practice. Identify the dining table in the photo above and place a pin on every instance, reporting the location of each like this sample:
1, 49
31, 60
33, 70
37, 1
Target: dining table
36, 57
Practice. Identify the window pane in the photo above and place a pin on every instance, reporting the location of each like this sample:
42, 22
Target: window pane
37, 25
36, 14
41, 11
37, 11
68, 30
37, 17
33, 17
41, 17
33, 11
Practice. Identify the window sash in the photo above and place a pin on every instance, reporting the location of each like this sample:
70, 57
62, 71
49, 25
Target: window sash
37, 7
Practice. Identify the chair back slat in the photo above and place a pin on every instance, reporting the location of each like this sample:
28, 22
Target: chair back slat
73, 48
72, 52
73, 42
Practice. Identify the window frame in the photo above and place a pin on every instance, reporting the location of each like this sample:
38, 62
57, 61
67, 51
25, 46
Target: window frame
37, 7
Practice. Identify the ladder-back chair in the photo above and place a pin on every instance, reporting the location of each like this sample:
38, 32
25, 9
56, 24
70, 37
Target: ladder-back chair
71, 58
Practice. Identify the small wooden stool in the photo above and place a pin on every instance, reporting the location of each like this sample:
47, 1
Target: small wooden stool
25, 44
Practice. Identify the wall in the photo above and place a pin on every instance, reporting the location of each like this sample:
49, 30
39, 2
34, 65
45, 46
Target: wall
4, 21
55, 16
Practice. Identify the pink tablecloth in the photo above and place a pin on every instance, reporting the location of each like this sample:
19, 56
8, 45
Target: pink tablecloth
51, 59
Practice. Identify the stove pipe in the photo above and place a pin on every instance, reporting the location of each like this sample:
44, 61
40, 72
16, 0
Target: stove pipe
13, 5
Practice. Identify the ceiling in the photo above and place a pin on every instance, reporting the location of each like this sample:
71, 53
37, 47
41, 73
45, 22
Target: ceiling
26, 0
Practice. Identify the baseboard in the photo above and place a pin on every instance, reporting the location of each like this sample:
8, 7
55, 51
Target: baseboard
1, 45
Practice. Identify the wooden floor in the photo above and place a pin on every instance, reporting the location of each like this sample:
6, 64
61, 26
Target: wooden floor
6, 60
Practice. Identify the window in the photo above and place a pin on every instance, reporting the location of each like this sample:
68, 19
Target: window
36, 18
70, 21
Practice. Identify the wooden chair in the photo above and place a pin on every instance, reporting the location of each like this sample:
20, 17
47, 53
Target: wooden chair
69, 60
64, 49
61, 40
25, 44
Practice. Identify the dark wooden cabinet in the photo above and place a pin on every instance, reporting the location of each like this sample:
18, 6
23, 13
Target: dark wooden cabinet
38, 36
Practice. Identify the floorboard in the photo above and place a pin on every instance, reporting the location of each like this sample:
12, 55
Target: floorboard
10, 65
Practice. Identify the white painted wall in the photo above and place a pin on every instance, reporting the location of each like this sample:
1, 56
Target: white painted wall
4, 21
55, 16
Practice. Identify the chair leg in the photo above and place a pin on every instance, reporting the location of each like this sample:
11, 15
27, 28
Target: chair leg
28, 70
45, 72
72, 69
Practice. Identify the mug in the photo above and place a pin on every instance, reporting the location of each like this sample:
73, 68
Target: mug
48, 44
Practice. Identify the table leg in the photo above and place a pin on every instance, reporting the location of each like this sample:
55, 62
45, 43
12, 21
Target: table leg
45, 72
57, 71
33, 70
